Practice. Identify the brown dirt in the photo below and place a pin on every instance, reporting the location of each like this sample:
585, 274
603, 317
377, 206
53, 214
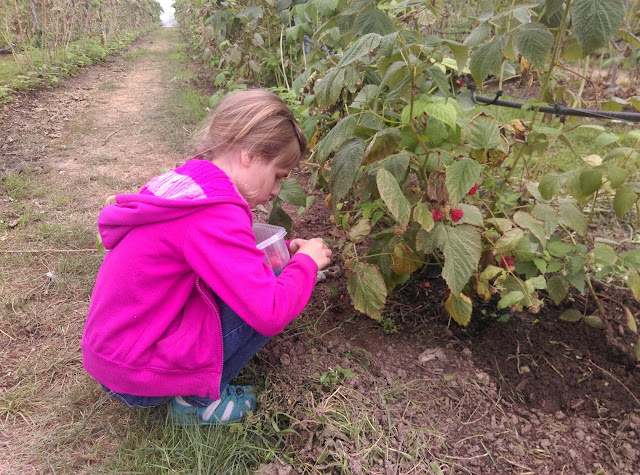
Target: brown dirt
532, 395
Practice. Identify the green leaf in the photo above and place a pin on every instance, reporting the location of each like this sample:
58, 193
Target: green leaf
491, 272
440, 79
594, 321
571, 315
282, 4
547, 214
326, 7
522, 15
578, 280
536, 283
338, 135
633, 282
631, 320
359, 49
345, 167
443, 111
382, 144
459, 307
460, 53
365, 96
559, 249
291, 191
604, 255
422, 215
328, 88
595, 22
590, 181
360, 230
279, 217
367, 289
557, 288
461, 176
477, 35
624, 200
472, 215
374, 20
509, 240
393, 197
630, 38
617, 175
631, 259
552, 13
488, 59
484, 134
514, 297
606, 138
534, 41
536, 227
540, 264
571, 50
461, 250
571, 216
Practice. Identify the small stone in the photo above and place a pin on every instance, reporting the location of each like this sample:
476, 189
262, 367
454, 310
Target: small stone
560, 415
285, 360
431, 354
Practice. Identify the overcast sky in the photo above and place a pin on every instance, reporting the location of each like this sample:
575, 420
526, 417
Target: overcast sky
167, 16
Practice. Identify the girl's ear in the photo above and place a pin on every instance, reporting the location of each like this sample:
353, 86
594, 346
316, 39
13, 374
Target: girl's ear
245, 158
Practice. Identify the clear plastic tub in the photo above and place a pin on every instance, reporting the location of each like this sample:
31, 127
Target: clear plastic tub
270, 239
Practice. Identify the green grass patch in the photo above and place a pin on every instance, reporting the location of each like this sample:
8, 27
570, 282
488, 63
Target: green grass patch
153, 444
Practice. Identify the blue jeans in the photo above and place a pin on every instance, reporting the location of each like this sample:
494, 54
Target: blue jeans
241, 343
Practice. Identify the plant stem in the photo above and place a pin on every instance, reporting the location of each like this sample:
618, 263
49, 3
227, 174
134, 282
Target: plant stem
583, 80
554, 58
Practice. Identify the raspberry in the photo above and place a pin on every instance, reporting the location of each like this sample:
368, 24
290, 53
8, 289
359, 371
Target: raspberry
460, 82
456, 215
437, 214
507, 262
473, 190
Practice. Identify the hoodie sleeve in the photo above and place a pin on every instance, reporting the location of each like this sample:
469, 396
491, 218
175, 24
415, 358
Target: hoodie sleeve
220, 246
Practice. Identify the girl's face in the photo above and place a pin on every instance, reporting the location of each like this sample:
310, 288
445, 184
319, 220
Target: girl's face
260, 181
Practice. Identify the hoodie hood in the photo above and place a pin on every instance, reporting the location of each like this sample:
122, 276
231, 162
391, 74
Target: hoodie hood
175, 194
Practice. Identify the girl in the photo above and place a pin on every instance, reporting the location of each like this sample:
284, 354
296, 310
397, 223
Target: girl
183, 299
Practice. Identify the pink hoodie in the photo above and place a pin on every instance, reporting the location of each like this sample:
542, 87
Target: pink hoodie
153, 327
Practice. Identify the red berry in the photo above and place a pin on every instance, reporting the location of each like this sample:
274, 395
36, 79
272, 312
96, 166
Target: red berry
507, 262
456, 215
473, 189
437, 214
358, 84
424, 112
460, 82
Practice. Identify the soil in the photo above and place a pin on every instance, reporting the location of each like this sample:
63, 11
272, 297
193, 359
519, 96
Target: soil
531, 394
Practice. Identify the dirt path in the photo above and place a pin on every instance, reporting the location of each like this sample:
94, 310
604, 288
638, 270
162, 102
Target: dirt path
64, 151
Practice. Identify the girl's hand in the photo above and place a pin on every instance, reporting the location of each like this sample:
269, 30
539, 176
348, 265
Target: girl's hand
295, 244
316, 249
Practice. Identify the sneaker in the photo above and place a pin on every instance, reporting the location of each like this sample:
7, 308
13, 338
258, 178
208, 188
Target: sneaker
234, 404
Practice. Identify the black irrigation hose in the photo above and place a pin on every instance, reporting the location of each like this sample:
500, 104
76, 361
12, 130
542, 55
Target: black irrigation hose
558, 109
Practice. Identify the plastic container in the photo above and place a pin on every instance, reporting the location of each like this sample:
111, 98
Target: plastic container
270, 239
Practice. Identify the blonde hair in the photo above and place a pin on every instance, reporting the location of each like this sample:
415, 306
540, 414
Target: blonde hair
257, 121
